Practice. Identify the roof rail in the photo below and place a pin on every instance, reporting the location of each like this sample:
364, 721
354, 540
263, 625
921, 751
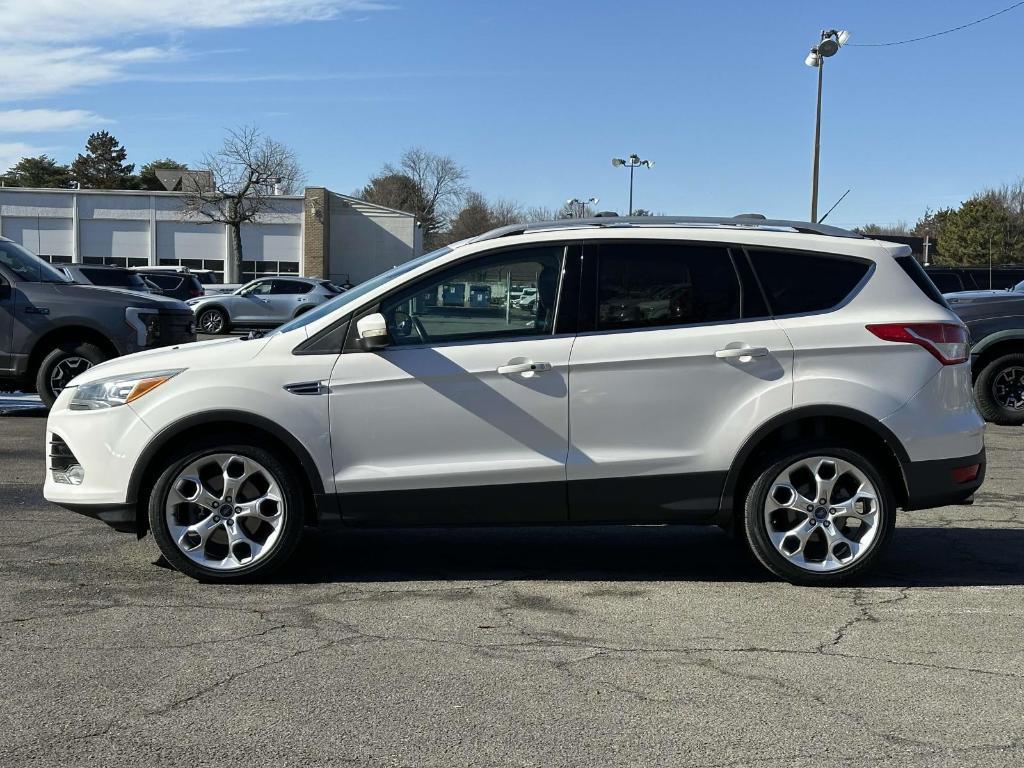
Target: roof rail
738, 222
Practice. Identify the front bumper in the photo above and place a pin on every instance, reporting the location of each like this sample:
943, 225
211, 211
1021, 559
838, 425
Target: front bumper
934, 484
106, 444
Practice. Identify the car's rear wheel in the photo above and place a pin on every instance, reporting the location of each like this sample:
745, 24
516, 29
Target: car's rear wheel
225, 511
213, 321
62, 364
999, 390
820, 516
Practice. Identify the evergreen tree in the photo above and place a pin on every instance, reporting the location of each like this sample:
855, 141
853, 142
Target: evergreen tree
42, 171
103, 165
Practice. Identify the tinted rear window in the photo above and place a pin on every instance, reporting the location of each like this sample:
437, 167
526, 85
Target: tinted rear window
916, 273
947, 282
167, 282
114, 278
642, 285
797, 282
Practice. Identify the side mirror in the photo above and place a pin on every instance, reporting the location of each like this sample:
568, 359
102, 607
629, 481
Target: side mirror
373, 332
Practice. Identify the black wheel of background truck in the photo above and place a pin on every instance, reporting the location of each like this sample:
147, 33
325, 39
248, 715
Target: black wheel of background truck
62, 364
999, 390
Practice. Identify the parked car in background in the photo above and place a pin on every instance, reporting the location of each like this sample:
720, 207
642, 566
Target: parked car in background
108, 277
178, 285
996, 325
800, 385
263, 303
957, 279
52, 329
207, 278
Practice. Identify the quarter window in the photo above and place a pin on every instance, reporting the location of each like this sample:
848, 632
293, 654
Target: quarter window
505, 295
797, 282
644, 285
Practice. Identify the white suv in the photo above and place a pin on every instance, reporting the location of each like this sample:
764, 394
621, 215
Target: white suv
795, 383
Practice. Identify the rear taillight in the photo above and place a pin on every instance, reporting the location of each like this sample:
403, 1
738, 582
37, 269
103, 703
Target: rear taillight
948, 342
195, 293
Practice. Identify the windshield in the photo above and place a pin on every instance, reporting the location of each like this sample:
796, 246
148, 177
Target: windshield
352, 295
26, 266
1019, 287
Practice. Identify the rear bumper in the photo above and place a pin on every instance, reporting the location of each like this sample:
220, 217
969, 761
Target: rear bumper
932, 483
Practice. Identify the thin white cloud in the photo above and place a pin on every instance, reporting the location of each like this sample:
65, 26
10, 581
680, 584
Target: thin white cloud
72, 21
40, 120
54, 46
12, 152
30, 73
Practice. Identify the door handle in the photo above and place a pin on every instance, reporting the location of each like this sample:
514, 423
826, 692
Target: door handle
505, 370
733, 352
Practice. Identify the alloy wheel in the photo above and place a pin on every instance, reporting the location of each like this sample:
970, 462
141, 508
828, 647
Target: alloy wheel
1008, 388
65, 370
212, 322
822, 514
225, 511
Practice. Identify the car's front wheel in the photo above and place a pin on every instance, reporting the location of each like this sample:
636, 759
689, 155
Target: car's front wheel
819, 516
226, 511
999, 390
213, 321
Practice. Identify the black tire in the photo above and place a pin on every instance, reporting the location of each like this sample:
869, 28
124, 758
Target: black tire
292, 526
60, 365
216, 318
990, 390
755, 527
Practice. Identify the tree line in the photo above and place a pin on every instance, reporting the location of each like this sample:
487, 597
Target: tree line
987, 227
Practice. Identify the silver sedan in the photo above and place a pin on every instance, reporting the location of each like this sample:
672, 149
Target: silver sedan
263, 303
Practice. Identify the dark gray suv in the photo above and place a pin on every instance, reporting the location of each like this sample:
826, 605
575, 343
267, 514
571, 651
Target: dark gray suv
51, 329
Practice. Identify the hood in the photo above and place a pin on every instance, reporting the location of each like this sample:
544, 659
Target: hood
958, 297
218, 353
991, 304
122, 296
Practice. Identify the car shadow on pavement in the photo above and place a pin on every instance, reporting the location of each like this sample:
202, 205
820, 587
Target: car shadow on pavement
916, 557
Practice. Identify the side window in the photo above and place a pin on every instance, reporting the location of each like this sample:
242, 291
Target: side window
644, 285
509, 294
257, 289
946, 282
797, 282
289, 286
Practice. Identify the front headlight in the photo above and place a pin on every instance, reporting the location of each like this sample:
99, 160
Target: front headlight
146, 323
117, 390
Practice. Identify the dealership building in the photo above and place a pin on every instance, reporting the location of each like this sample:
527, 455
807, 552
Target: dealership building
319, 233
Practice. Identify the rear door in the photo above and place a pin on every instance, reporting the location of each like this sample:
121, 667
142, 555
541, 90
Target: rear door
678, 365
286, 297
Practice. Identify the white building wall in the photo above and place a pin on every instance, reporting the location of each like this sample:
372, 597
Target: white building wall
367, 239
136, 228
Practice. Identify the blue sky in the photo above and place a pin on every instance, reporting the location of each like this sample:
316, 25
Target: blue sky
534, 98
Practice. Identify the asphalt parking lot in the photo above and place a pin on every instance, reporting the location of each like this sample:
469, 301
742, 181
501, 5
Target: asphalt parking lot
510, 647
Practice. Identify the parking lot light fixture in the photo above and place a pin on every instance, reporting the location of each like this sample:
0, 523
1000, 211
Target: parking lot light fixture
831, 41
632, 162
578, 208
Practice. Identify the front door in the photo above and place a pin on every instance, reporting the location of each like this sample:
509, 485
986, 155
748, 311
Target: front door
465, 417
680, 363
252, 305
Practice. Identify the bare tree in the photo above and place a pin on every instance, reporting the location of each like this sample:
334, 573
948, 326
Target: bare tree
243, 178
441, 181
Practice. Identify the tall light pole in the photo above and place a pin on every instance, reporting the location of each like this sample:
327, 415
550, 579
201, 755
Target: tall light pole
632, 162
578, 208
831, 41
